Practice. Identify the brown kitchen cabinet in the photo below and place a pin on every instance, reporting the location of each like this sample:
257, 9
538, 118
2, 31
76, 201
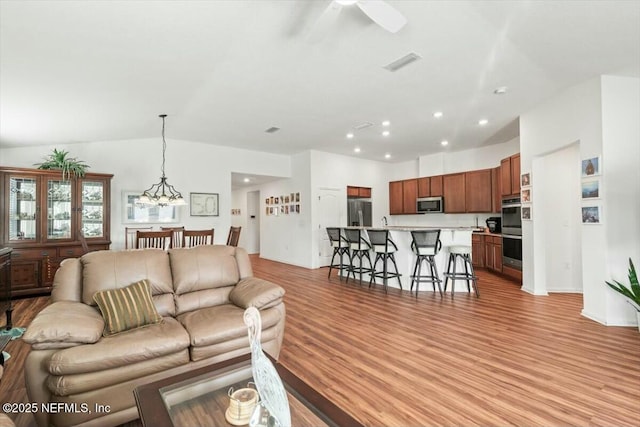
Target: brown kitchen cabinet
454, 193
493, 253
43, 217
430, 186
477, 250
510, 175
496, 194
478, 191
402, 197
361, 192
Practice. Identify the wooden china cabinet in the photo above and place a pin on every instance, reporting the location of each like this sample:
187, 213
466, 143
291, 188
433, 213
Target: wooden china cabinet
44, 218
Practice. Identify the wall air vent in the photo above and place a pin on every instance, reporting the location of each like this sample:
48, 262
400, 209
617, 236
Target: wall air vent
272, 129
363, 125
402, 62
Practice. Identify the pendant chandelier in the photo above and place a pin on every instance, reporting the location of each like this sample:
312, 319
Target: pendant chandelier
162, 193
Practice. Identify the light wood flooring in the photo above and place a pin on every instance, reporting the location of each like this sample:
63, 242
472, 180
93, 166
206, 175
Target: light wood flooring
507, 358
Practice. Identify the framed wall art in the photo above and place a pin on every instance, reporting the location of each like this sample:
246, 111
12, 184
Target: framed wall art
204, 204
592, 214
591, 167
135, 212
591, 189
526, 213
525, 179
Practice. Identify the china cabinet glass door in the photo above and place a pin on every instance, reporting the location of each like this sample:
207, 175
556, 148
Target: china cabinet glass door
59, 210
23, 207
92, 209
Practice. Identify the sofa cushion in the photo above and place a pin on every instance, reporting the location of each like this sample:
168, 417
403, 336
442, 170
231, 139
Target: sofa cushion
203, 267
65, 323
122, 349
127, 308
258, 293
104, 270
213, 325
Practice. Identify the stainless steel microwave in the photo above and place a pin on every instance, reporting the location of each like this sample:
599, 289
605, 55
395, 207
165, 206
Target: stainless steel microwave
430, 205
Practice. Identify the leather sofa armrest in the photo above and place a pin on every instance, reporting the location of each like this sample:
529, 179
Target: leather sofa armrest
258, 293
65, 324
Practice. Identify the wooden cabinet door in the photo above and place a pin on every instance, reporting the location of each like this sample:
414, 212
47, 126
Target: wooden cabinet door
477, 250
497, 257
24, 275
364, 192
352, 191
436, 186
488, 254
424, 187
410, 194
496, 194
505, 176
515, 174
395, 198
478, 191
454, 193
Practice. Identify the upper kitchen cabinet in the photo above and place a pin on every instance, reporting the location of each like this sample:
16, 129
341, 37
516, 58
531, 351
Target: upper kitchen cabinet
430, 186
402, 197
510, 175
454, 193
44, 218
361, 192
477, 185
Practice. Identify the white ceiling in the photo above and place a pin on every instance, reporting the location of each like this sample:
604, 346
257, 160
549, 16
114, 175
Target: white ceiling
224, 71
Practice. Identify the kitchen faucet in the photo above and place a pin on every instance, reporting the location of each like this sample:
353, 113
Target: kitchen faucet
384, 221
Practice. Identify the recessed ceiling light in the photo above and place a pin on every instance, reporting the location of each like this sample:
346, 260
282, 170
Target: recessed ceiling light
386, 123
387, 156
346, 2
385, 133
437, 114
501, 90
349, 135
247, 180
444, 142
483, 122
356, 150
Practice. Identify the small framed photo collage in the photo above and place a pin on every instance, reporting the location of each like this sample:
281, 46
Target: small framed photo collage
282, 205
590, 191
525, 196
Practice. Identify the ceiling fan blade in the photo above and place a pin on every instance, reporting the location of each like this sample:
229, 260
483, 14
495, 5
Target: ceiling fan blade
383, 14
325, 22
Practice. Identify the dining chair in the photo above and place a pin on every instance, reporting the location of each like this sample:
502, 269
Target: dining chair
153, 239
198, 237
83, 242
130, 236
177, 236
234, 236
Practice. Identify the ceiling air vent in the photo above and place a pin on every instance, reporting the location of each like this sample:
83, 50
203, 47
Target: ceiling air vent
363, 125
402, 62
272, 129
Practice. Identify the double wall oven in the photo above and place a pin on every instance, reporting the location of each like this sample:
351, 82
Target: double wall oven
512, 233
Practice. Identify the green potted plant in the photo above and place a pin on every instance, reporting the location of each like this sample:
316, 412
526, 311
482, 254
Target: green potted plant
60, 160
632, 292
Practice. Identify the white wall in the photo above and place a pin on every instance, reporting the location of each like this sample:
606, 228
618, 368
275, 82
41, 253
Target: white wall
602, 115
190, 167
247, 199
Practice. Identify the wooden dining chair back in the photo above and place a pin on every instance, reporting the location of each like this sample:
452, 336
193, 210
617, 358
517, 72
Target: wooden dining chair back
234, 236
198, 237
177, 236
153, 239
130, 236
83, 242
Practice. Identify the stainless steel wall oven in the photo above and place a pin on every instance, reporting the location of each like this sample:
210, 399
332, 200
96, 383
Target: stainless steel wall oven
512, 233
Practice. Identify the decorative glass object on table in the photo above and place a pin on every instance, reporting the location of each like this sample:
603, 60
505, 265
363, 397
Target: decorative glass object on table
23, 206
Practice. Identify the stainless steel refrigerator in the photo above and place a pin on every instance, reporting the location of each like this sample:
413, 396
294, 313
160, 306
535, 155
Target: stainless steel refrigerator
358, 212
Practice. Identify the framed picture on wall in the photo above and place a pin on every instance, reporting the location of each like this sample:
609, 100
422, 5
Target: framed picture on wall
525, 179
592, 214
526, 213
591, 189
204, 204
135, 212
526, 195
591, 167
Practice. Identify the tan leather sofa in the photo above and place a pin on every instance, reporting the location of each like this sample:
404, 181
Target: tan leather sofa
200, 292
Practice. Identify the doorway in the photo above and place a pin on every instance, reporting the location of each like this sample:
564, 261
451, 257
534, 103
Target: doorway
252, 234
330, 213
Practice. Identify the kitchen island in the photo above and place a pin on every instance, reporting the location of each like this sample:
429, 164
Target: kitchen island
405, 258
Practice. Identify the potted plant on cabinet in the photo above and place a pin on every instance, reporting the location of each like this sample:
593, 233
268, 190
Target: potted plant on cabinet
59, 160
632, 292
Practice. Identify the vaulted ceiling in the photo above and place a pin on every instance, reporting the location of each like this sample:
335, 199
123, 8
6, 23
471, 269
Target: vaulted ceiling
225, 71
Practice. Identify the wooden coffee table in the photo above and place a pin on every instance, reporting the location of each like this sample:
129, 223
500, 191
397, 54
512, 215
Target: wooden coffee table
200, 398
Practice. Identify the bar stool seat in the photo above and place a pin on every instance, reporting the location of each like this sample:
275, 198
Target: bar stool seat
425, 245
340, 247
384, 249
462, 253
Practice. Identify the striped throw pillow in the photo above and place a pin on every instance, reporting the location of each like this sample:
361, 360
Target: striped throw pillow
127, 308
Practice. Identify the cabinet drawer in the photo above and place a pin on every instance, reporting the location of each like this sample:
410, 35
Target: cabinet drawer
19, 254
496, 240
70, 252
476, 238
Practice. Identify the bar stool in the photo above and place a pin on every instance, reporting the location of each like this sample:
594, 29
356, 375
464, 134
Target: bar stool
462, 252
384, 248
426, 244
359, 248
340, 247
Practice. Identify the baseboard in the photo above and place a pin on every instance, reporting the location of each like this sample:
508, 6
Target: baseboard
593, 317
565, 291
532, 292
